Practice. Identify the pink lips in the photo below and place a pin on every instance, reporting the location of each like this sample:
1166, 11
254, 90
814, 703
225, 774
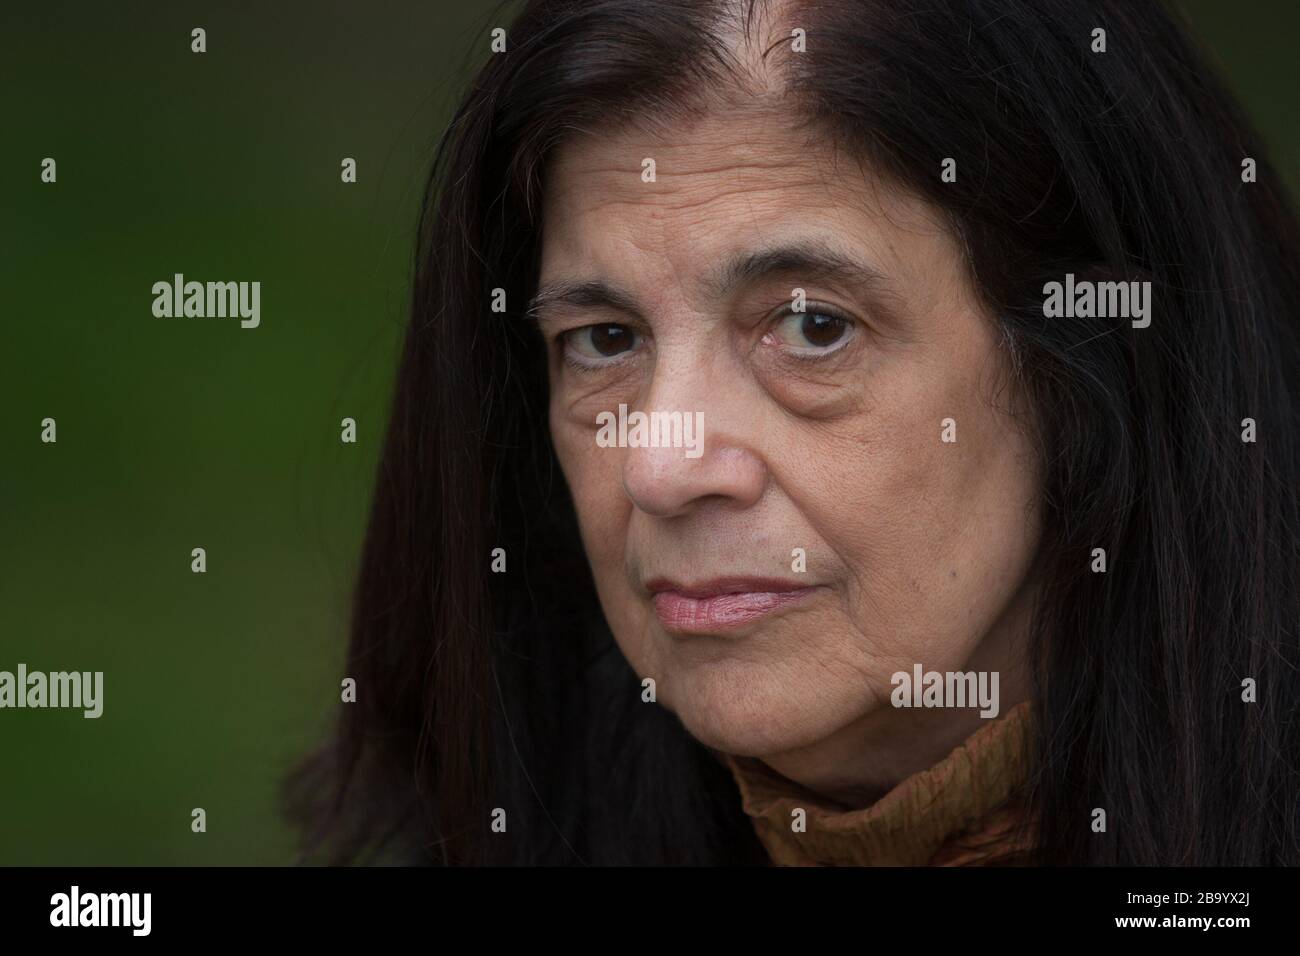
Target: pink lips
721, 604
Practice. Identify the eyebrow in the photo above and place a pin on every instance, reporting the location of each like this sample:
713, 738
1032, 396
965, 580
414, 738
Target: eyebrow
590, 294
810, 260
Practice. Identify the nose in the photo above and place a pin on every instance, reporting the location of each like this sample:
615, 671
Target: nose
664, 481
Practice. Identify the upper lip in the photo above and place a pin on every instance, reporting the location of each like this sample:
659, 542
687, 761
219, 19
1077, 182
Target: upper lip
725, 585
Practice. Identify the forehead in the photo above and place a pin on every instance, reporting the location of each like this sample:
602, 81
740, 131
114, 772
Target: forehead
703, 159
723, 180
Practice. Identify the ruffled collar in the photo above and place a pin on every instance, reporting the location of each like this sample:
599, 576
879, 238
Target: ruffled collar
966, 810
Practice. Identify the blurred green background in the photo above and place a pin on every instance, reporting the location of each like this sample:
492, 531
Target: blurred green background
176, 434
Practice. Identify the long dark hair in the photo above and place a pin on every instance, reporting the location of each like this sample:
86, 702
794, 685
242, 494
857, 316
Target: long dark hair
481, 690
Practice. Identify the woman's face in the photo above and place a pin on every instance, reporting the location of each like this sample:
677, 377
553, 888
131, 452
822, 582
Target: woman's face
823, 430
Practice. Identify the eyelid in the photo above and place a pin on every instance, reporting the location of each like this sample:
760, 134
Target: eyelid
813, 306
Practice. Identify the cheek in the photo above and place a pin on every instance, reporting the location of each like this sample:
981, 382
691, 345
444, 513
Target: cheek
935, 536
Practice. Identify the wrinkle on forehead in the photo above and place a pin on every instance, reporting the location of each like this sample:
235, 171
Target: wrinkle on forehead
761, 153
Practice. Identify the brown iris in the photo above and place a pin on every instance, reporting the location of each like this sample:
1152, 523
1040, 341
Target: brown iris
611, 339
822, 330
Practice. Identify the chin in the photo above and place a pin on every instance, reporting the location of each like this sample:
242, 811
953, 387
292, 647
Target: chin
753, 710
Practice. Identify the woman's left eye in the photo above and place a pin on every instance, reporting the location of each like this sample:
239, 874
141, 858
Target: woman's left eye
813, 331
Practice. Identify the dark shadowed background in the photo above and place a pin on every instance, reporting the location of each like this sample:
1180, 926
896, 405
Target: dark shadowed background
193, 432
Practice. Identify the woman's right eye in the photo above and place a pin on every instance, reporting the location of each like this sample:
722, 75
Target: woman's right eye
596, 342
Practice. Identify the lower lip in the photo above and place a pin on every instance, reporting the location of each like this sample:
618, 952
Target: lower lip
721, 612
